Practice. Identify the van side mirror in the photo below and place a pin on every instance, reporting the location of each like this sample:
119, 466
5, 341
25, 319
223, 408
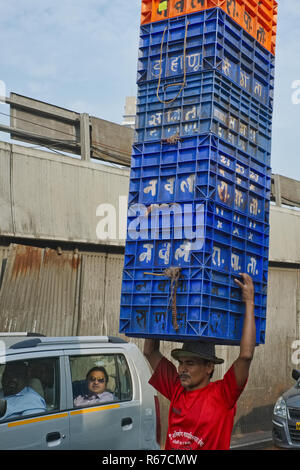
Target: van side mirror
296, 374
3, 405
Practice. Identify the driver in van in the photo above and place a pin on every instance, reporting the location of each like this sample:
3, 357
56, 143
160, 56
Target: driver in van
21, 400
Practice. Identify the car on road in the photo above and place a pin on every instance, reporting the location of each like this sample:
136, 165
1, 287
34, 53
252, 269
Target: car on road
286, 417
59, 409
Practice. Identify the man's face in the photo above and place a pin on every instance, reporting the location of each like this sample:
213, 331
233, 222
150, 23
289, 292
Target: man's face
194, 373
96, 382
12, 382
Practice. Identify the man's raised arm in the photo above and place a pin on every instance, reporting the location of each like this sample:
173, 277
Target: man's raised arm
152, 353
248, 339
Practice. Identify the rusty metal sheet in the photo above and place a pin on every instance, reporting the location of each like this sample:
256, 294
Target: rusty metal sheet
58, 293
100, 294
92, 298
4, 252
40, 291
113, 281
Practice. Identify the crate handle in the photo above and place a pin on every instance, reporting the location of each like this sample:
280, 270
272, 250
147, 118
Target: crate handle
181, 84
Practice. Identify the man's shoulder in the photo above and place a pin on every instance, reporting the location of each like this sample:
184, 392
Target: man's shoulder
107, 394
32, 395
229, 372
165, 371
228, 377
26, 396
30, 391
164, 362
165, 366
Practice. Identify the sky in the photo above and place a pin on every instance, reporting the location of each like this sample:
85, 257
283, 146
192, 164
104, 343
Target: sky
82, 55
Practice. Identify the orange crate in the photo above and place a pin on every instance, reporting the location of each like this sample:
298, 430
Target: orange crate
257, 17
146, 13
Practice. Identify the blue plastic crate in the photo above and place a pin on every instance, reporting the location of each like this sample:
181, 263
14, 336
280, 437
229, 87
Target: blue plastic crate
197, 169
209, 103
212, 311
177, 241
200, 181
209, 234
208, 302
183, 234
159, 153
224, 245
214, 41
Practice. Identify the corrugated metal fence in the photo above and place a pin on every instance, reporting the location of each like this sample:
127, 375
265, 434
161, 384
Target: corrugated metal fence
62, 293
58, 292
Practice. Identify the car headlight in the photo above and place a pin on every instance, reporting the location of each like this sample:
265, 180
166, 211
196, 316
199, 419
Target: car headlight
280, 408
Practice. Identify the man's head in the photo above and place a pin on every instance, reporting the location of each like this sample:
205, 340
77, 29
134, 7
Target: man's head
15, 378
196, 364
97, 379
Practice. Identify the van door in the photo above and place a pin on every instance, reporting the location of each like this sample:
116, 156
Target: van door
104, 399
35, 417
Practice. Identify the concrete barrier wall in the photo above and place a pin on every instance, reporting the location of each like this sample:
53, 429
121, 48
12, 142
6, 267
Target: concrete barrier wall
53, 197
284, 235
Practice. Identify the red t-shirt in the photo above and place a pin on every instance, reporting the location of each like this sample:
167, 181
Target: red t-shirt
198, 419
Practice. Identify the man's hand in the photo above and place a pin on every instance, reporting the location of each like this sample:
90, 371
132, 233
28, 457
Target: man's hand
247, 288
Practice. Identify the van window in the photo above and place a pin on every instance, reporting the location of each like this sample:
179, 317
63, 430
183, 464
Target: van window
97, 379
30, 387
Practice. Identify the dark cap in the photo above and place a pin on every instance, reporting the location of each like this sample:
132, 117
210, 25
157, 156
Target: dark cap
197, 349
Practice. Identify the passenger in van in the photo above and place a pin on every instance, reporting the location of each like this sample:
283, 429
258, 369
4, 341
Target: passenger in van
97, 379
21, 399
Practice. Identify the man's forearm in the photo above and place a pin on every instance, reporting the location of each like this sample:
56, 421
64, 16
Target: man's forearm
152, 353
248, 339
247, 345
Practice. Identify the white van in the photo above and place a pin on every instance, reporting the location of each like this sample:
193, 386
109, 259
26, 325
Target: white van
45, 412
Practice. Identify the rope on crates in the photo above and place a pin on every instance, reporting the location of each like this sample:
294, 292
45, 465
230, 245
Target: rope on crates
174, 274
181, 84
174, 139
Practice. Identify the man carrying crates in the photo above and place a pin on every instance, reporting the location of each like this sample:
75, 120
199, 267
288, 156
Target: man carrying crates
201, 413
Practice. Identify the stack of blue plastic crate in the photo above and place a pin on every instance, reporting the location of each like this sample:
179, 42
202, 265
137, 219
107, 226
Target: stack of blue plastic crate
200, 180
